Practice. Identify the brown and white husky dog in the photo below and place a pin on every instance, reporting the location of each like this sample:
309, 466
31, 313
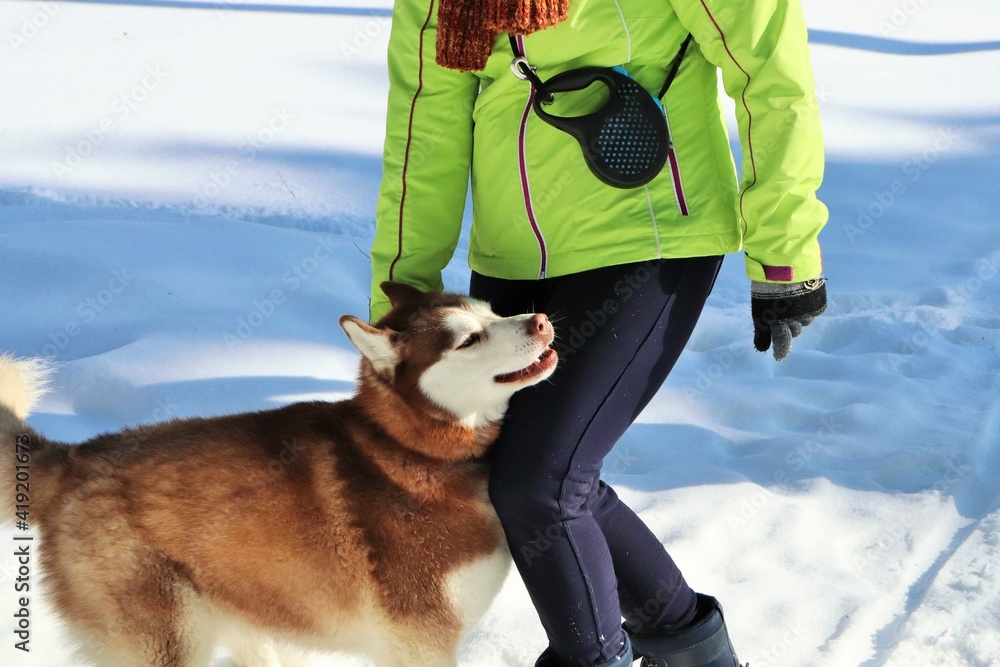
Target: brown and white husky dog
360, 526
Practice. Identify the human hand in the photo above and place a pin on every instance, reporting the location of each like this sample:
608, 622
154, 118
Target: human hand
781, 310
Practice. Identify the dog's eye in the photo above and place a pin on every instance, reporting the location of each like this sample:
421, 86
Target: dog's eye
470, 340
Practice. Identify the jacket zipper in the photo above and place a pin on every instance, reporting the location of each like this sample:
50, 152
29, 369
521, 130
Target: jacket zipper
675, 176
529, 207
675, 172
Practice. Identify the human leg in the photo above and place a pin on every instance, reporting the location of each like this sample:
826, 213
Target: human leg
620, 331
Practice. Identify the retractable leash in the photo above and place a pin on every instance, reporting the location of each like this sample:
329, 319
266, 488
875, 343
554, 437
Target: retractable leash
625, 143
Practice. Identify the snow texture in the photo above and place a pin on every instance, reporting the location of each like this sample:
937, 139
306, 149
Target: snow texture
187, 191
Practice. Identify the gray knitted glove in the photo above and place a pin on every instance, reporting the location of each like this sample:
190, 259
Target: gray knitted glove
780, 310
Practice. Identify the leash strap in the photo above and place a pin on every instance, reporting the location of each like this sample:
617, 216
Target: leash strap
675, 65
523, 70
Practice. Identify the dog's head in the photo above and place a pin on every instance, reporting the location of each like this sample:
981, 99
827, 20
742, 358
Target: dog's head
453, 353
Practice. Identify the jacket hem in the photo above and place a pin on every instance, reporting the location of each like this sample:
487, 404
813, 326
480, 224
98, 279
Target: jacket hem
567, 263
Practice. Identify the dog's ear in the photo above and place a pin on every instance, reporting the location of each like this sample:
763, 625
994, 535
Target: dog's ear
376, 345
399, 292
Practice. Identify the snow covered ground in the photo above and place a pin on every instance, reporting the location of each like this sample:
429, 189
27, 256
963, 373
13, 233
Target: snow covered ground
186, 195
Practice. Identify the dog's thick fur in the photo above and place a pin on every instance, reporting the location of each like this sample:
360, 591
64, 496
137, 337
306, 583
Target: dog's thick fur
360, 526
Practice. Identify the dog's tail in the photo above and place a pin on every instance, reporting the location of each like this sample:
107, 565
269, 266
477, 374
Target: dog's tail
22, 384
27, 461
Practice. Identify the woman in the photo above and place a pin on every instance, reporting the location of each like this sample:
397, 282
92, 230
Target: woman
626, 270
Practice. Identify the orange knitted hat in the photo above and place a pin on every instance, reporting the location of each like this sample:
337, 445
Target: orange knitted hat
467, 28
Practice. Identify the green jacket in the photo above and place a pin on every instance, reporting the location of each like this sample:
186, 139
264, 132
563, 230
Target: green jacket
539, 212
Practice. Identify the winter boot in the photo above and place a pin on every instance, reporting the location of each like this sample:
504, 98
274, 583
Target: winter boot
623, 659
702, 643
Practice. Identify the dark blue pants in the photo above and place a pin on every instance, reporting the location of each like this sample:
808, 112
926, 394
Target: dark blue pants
586, 559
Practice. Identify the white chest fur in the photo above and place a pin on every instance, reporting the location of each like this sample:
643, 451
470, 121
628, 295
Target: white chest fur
472, 587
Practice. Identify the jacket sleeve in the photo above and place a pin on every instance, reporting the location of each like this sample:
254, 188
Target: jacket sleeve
426, 158
761, 46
